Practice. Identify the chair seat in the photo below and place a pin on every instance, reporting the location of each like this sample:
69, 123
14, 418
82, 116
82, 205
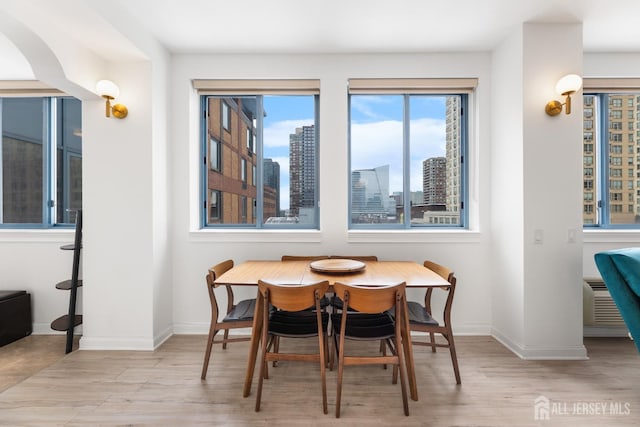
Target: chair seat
242, 311
296, 323
418, 314
365, 326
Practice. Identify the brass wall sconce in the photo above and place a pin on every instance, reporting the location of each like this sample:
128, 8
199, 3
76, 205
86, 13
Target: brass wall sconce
566, 86
109, 91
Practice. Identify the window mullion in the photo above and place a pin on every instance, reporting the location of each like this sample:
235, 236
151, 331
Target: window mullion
406, 160
260, 162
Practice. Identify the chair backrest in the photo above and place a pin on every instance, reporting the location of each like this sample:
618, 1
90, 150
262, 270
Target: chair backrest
213, 273
220, 268
303, 257
293, 297
370, 299
442, 271
356, 257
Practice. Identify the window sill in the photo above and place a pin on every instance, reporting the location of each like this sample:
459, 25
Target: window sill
611, 236
48, 235
414, 236
256, 236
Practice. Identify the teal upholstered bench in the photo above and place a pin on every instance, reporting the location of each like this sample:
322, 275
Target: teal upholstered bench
620, 270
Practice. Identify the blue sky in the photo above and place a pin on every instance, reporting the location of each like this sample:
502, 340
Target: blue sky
376, 127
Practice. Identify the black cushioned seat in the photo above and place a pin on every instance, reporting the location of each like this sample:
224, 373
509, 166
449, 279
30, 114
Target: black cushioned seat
296, 323
242, 311
365, 326
418, 314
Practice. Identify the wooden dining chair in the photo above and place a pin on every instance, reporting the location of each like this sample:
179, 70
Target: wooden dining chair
362, 258
371, 322
238, 315
421, 319
336, 302
303, 257
285, 316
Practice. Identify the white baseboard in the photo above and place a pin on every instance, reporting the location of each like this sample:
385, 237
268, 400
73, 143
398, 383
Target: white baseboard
569, 352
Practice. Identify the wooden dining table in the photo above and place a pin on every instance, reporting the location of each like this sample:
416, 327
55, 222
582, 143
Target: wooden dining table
248, 273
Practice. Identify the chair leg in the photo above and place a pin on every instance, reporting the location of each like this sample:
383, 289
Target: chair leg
207, 353
340, 371
403, 384
263, 366
276, 349
432, 340
322, 340
454, 358
226, 337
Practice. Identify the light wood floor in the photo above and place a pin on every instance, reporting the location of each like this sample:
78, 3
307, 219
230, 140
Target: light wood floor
41, 387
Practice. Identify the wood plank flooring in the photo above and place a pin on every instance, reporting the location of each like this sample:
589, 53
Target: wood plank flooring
87, 388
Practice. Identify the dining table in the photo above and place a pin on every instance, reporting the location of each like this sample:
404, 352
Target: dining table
301, 272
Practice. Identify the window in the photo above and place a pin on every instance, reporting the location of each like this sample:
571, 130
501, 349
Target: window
268, 175
214, 206
615, 180
214, 155
40, 161
407, 153
226, 117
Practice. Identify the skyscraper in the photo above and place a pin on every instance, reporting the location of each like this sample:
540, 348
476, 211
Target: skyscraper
271, 171
453, 169
434, 181
302, 165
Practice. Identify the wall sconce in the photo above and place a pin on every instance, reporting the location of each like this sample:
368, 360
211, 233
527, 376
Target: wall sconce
565, 87
109, 91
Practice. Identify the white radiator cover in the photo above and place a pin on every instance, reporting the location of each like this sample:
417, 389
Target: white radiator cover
600, 314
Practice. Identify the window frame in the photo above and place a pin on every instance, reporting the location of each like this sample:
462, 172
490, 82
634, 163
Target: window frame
462, 87
224, 88
53, 150
601, 90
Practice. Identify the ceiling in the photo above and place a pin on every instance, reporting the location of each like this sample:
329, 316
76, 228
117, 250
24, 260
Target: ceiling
324, 26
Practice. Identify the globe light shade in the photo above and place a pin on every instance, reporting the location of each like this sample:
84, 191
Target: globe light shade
569, 84
107, 89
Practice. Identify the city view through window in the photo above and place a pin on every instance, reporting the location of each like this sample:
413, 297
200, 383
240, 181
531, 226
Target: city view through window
611, 159
385, 127
284, 128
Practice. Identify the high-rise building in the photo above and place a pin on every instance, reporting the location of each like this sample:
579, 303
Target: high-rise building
453, 147
302, 166
623, 159
434, 181
231, 161
271, 180
370, 199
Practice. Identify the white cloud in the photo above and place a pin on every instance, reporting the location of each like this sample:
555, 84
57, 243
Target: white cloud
277, 133
380, 143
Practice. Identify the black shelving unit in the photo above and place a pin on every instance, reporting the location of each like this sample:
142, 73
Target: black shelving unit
69, 321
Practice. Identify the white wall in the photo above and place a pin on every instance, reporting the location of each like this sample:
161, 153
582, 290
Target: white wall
194, 251
144, 259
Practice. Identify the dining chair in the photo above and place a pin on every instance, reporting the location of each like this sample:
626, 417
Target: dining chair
421, 319
303, 257
286, 315
355, 257
238, 315
336, 302
371, 322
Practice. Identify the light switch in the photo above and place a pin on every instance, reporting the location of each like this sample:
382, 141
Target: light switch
538, 237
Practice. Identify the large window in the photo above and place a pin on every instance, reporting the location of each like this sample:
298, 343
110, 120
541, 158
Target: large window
41, 161
260, 154
407, 154
612, 201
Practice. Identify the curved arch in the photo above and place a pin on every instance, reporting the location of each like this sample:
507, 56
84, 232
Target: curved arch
44, 63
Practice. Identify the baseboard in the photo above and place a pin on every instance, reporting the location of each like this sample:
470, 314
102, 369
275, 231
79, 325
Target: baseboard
577, 352
117, 343
605, 331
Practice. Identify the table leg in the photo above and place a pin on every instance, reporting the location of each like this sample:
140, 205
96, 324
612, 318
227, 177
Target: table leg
256, 332
407, 347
